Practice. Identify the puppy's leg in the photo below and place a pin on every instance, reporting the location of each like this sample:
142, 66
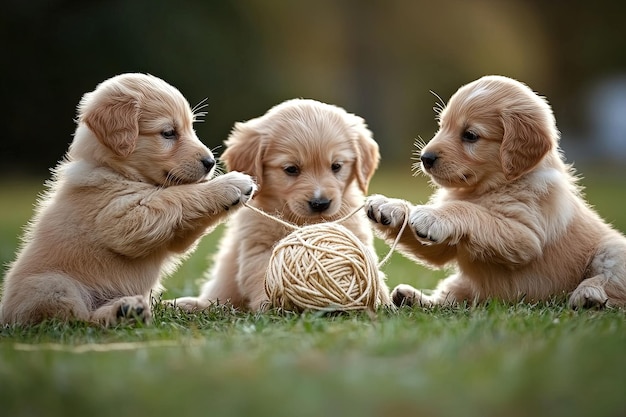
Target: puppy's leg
222, 195
38, 297
590, 294
207, 204
188, 304
218, 290
133, 308
406, 295
607, 285
258, 300
450, 291
221, 287
388, 216
505, 239
251, 279
32, 299
171, 218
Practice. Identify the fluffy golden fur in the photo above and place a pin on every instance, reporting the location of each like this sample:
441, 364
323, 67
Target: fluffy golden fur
313, 163
507, 212
129, 199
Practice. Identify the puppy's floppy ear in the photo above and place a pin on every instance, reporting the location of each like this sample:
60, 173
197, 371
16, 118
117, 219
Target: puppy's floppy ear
113, 118
528, 137
244, 150
367, 154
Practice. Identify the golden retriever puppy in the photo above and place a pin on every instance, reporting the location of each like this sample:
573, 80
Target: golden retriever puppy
313, 163
129, 199
507, 212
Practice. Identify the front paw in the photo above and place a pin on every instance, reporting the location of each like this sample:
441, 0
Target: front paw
430, 225
386, 211
238, 188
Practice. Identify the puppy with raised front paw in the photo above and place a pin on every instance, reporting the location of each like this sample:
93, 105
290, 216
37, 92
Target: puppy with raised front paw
507, 212
130, 199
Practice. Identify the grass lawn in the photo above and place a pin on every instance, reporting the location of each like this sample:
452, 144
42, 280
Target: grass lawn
494, 360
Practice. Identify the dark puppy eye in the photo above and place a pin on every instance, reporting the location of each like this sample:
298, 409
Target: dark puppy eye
291, 170
336, 167
169, 134
469, 136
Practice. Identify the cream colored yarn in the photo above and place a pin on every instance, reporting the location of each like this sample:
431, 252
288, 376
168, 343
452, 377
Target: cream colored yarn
324, 266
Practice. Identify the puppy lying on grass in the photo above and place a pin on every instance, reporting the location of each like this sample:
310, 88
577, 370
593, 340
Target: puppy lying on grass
129, 200
508, 212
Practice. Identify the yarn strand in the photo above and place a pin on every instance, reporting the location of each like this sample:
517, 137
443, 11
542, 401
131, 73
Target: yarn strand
269, 216
294, 227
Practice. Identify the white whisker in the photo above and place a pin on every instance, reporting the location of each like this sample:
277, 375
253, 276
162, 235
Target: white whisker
196, 110
219, 170
201, 105
439, 105
416, 166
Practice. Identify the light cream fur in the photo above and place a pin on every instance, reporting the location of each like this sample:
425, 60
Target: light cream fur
508, 212
130, 198
300, 151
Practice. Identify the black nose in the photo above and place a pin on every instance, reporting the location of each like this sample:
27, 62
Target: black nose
428, 159
208, 163
319, 204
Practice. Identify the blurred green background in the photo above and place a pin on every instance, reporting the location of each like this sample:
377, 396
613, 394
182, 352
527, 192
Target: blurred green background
378, 59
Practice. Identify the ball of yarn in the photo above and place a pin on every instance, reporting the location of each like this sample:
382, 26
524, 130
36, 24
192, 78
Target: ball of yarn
322, 267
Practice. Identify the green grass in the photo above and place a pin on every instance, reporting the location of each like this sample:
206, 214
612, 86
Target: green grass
493, 360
